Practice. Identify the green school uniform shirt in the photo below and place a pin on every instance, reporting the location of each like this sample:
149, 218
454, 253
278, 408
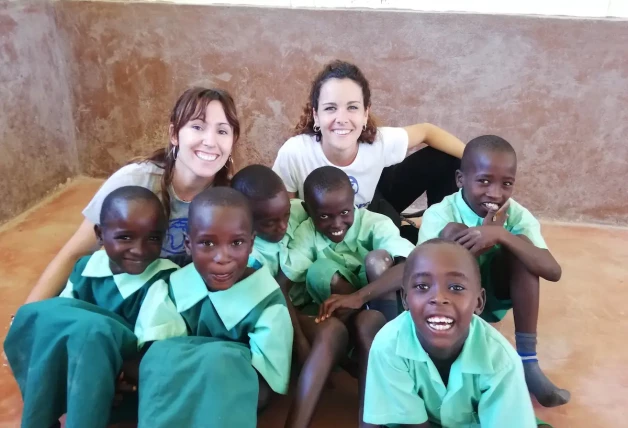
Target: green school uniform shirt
486, 384
370, 231
454, 209
92, 281
253, 312
274, 254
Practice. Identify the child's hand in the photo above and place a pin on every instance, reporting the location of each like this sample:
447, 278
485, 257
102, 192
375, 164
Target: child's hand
480, 239
497, 218
337, 302
122, 387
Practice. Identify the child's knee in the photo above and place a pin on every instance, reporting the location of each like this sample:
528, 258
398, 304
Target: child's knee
376, 263
332, 334
340, 285
368, 323
451, 230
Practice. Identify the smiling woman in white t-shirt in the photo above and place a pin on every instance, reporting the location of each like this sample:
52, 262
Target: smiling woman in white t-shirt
336, 128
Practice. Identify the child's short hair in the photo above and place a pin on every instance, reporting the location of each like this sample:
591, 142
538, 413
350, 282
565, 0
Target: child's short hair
127, 194
258, 182
218, 197
484, 144
324, 179
441, 241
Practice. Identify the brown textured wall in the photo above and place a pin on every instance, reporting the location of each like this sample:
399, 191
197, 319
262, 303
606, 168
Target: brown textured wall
556, 88
37, 147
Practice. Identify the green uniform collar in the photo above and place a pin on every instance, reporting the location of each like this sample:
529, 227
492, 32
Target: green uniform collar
232, 305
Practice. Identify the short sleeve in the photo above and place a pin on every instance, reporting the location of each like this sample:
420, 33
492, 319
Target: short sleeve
285, 169
526, 224
506, 401
385, 236
271, 347
158, 318
391, 396
301, 252
432, 224
129, 175
395, 144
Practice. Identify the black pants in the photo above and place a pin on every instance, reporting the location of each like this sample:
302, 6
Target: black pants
428, 170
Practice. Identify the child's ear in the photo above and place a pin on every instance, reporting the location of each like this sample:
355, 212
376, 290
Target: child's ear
404, 302
459, 179
187, 244
481, 302
98, 232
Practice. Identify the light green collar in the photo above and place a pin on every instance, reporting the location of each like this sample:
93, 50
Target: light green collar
98, 267
233, 304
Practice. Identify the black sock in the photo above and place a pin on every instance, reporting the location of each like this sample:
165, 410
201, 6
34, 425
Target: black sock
547, 394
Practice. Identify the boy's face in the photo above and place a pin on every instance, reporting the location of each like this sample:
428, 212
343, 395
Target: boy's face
132, 236
489, 182
270, 217
220, 241
332, 212
442, 292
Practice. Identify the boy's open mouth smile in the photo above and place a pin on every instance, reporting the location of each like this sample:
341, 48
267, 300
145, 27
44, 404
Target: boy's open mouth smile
491, 206
440, 323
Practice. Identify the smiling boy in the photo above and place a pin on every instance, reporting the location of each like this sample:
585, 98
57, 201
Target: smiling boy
509, 245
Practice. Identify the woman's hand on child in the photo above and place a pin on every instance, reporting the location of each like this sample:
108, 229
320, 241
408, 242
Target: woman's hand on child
337, 302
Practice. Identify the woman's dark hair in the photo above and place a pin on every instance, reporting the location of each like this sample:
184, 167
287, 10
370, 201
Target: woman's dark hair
336, 70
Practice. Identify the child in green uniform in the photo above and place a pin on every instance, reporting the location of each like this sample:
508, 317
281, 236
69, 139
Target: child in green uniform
507, 240
346, 257
67, 352
438, 364
239, 334
275, 218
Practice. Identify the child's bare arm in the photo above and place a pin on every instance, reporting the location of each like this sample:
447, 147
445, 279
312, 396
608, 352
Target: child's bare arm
301, 344
388, 282
538, 261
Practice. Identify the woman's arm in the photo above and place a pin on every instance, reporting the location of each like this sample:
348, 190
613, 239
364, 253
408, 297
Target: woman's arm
434, 137
56, 274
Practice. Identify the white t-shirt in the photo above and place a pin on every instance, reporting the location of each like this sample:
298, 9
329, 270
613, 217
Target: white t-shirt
302, 154
146, 175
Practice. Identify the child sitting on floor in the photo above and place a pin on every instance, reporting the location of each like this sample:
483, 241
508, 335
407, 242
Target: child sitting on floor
337, 252
239, 331
507, 240
275, 218
66, 352
438, 364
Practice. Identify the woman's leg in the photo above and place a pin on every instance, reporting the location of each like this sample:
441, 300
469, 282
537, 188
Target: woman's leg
427, 170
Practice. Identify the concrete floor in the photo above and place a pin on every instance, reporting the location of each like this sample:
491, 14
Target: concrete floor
583, 322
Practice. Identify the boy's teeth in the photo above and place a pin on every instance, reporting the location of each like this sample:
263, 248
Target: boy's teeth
440, 326
491, 206
337, 233
439, 320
